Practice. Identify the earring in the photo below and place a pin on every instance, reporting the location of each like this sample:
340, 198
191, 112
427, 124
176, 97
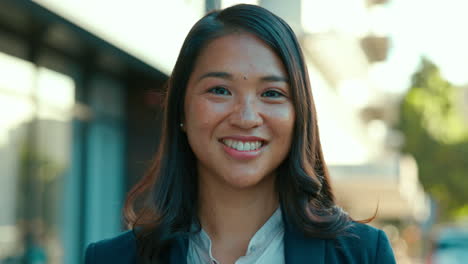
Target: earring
181, 125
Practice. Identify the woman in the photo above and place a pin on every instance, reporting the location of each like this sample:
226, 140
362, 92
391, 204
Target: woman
239, 176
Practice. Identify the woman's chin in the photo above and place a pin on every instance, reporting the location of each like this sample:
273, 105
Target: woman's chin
244, 181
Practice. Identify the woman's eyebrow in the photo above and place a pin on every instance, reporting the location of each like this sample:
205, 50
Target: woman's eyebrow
274, 78
222, 75
228, 76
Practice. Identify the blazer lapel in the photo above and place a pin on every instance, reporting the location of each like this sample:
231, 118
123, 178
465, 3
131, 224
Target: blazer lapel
299, 249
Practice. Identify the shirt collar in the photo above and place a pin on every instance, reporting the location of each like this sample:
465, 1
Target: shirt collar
272, 227
267, 232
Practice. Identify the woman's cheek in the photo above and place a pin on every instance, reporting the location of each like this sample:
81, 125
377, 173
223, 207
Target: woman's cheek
207, 111
280, 113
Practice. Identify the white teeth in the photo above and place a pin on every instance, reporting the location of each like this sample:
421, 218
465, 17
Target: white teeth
247, 146
242, 146
234, 144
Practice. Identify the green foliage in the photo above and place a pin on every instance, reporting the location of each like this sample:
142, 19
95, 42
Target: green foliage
437, 137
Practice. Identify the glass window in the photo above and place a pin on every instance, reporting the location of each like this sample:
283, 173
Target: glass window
35, 137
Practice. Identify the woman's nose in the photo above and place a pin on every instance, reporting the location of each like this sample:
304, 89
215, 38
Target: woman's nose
245, 114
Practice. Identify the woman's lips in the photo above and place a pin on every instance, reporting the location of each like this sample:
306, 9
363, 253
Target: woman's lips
245, 149
242, 155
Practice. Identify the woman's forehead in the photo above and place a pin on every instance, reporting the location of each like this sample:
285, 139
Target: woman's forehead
241, 55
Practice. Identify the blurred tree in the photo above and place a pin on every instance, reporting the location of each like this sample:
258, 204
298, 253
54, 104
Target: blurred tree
436, 135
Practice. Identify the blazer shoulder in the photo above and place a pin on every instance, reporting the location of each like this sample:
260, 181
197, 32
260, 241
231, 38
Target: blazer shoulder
119, 249
366, 243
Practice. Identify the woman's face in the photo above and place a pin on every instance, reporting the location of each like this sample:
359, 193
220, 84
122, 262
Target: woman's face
239, 115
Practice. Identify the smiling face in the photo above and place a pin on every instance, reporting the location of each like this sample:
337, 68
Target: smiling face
238, 115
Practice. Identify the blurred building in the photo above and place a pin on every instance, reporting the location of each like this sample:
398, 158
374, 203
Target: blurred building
79, 97
80, 113
343, 43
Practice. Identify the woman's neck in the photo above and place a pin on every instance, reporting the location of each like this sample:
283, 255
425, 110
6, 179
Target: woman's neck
232, 216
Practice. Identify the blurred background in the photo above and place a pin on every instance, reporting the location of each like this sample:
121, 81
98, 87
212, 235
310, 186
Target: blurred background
80, 114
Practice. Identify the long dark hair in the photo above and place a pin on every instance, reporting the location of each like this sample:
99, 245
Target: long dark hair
163, 204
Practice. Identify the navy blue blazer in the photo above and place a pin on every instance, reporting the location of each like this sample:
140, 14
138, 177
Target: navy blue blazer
363, 245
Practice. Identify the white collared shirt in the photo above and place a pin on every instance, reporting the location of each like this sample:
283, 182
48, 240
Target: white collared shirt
265, 247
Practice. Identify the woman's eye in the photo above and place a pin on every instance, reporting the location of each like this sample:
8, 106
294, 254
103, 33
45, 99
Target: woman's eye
272, 93
219, 90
